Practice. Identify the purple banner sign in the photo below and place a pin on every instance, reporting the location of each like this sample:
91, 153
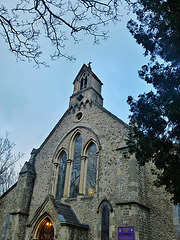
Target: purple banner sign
126, 233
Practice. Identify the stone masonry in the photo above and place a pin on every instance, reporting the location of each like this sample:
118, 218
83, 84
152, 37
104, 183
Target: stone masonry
126, 188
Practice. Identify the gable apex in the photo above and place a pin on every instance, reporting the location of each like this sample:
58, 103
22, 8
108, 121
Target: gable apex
88, 69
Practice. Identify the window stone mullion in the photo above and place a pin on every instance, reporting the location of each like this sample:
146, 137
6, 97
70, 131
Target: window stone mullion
83, 175
68, 178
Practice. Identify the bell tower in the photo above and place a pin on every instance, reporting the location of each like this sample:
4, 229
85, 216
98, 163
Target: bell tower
87, 87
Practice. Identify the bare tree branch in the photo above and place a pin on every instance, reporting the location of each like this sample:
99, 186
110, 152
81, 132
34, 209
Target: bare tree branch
7, 164
22, 26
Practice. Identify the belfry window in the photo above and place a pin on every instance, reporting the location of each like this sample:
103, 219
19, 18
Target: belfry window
83, 83
76, 167
91, 170
61, 176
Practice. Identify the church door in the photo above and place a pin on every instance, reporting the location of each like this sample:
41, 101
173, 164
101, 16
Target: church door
47, 231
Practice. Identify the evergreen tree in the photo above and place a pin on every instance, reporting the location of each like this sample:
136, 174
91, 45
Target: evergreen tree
155, 120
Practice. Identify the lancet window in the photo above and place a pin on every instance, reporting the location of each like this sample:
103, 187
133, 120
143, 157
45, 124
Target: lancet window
61, 175
105, 214
91, 170
76, 167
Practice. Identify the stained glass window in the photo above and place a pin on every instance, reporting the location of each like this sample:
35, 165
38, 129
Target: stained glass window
61, 176
91, 170
105, 221
76, 167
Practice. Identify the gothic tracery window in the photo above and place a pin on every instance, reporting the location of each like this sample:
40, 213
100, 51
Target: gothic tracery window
91, 170
76, 167
79, 179
61, 176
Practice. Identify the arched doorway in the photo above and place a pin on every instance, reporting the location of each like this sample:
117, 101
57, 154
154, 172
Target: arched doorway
46, 230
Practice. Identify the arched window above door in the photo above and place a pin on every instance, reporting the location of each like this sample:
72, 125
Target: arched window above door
77, 171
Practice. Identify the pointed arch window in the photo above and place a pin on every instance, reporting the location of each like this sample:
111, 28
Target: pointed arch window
76, 167
105, 214
91, 170
61, 176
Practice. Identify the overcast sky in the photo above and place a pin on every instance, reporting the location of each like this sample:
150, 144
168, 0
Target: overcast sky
33, 100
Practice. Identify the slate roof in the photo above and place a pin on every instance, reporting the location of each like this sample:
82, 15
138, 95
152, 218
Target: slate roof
66, 215
64, 212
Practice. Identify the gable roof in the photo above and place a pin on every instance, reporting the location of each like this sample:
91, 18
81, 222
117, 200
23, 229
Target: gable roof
86, 68
67, 112
65, 213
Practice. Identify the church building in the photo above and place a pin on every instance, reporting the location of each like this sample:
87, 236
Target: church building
80, 186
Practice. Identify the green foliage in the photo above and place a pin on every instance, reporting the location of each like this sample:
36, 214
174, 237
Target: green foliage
158, 28
155, 120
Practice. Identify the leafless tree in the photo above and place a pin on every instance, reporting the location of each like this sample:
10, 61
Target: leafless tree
8, 175
23, 25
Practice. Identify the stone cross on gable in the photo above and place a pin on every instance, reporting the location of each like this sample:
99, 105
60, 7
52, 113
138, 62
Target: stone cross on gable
89, 65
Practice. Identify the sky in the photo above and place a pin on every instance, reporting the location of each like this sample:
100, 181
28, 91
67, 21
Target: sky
33, 100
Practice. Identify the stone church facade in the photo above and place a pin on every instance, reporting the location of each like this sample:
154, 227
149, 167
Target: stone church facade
79, 186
